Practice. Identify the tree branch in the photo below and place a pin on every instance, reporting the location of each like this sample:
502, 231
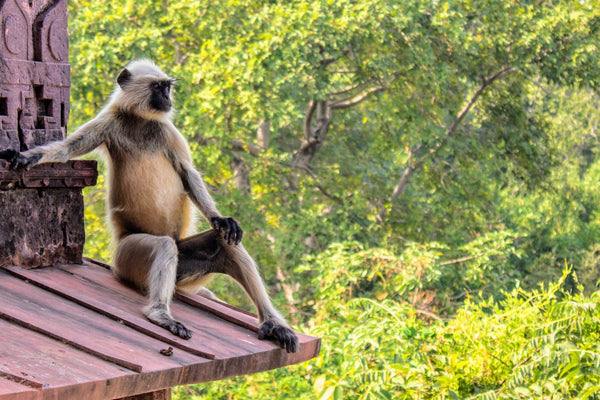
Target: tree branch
410, 169
344, 90
328, 61
263, 134
238, 145
484, 84
412, 166
317, 184
312, 106
313, 137
352, 101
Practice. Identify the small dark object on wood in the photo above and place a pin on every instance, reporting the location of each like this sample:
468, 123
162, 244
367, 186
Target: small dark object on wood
167, 352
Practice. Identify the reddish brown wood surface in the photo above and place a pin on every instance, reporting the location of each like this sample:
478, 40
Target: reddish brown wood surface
10, 387
82, 328
73, 331
43, 360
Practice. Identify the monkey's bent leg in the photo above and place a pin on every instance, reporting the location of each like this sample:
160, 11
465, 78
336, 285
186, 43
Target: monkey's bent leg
207, 253
150, 264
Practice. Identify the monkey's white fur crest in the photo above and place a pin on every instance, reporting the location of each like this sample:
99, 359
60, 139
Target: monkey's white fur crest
134, 96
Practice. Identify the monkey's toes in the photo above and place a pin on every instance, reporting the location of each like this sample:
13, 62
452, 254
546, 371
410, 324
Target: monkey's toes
164, 320
285, 336
177, 328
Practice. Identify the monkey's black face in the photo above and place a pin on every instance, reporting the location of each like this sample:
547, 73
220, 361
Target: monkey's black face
160, 95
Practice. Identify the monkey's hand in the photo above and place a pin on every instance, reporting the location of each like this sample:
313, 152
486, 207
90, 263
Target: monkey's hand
229, 228
19, 160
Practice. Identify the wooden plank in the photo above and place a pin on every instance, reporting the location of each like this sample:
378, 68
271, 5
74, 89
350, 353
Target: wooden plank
224, 339
84, 329
238, 351
122, 304
209, 332
22, 379
220, 310
41, 362
97, 289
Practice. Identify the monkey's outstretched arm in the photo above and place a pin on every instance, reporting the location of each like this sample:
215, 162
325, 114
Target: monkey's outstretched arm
89, 136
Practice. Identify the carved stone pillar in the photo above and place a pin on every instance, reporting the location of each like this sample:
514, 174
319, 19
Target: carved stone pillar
41, 210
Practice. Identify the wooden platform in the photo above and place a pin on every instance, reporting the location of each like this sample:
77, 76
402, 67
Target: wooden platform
74, 332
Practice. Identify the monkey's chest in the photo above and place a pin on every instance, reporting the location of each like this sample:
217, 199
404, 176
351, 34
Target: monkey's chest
147, 196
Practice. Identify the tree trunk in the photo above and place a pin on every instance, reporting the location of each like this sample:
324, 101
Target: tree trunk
263, 134
313, 136
240, 174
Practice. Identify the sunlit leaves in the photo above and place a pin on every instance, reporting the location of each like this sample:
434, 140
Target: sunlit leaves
504, 200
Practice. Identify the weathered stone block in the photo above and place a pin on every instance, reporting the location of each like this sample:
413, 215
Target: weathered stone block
41, 213
41, 227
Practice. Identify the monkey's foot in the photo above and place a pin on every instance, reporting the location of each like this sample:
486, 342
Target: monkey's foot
164, 320
286, 337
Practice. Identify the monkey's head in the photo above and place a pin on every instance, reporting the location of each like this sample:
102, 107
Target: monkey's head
145, 90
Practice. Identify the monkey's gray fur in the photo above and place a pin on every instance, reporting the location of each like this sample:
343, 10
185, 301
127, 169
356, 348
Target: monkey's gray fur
150, 186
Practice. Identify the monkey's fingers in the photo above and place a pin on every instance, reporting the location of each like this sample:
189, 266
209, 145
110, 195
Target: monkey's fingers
20, 161
235, 232
238, 234
229, 228
220, 225
9, 155
15, 158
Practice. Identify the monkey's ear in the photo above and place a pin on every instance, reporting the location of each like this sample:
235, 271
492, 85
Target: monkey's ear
123, 78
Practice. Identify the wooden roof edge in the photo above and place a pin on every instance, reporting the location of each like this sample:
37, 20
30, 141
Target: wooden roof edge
76, 290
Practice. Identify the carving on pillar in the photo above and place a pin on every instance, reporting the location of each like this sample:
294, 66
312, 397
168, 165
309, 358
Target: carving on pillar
41, 210
34, 73
50, 38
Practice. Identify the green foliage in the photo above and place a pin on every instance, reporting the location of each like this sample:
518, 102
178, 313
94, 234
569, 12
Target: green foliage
457, 171
97, 241
541, 343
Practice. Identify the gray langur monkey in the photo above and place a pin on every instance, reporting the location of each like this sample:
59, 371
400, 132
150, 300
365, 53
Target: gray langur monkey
151, 181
